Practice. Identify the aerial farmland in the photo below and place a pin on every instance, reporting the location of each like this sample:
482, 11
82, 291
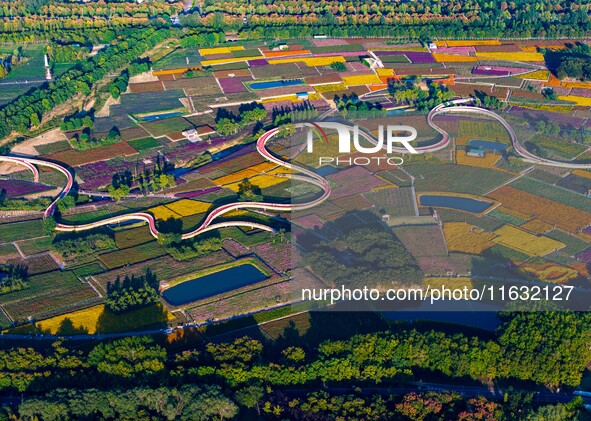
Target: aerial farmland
177, 141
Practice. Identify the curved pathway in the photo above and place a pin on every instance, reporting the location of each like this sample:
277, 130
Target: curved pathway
306, 175
207, 225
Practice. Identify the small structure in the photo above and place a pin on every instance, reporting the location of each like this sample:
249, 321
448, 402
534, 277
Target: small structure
48, 75
302, 96
477, 153
197, 134
432, 46
191, 135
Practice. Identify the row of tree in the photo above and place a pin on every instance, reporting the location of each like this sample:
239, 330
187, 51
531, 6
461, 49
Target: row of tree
26, 111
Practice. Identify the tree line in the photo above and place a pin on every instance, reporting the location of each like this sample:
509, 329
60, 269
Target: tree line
550, 349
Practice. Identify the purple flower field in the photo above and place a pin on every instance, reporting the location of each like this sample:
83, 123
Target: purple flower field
18, 188
258, 62
585, 256
233, 85
489, 72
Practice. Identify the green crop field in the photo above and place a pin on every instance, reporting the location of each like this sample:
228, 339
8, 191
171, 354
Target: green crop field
505, 217
54, 147
132, 255
558, 147
46, 293
456, 178
168, 125
36, 245
133, 237
21, 230
394, 202
574, 245
144, 143
8, 251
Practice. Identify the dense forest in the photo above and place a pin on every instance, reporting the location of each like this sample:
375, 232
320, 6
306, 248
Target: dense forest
360, 376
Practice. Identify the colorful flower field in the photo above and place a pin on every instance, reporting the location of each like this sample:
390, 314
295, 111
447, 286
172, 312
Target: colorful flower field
17, 188
466, 238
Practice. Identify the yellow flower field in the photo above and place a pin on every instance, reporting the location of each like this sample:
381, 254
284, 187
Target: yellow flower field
333, 87
488, 161
310, 61
97, 320
187, 207
385, 72
551, 272
163, 213
543, 75
453, 58
81, 320
580, 85
437, 282
510, 56
292, 98
245, 173
466, 238
536, 226
520, 240
582, 173
228, 60
581, 101
261, 181
219, 50
361, 80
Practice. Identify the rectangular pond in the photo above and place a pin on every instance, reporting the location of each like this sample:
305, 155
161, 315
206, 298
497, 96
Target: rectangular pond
487, 144
213, 284
276, 84
454, 202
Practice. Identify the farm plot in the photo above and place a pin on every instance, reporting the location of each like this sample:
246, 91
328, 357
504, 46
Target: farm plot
522, 241
566, 217
423, 240
557, 147
456, 178
575, 183
18, 188
51, 148
8, 252
102, 153
573, 244
35, 245
132, 255
21, 230
98, 320
466, 238
551, 192
195, 86
133, 237
52, 292
277, 255
394, 202
166, 126
148, 102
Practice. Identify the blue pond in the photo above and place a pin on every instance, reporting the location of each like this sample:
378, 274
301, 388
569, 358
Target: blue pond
487, 144
454, 202
213, 284
326, 170
160, 116
276, 84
